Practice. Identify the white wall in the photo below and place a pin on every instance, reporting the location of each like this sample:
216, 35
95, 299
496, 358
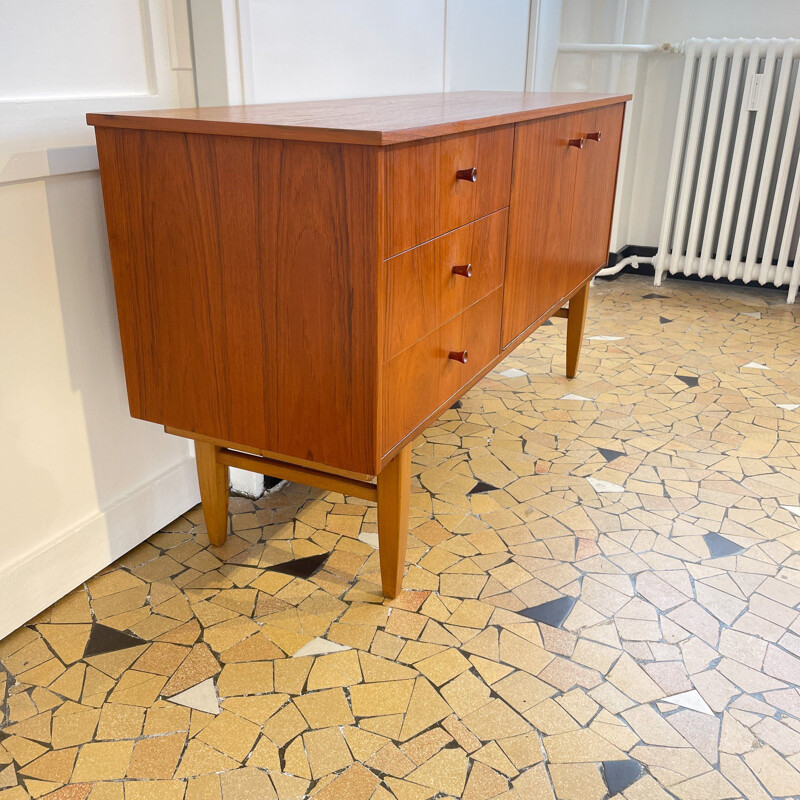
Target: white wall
656, 82
544, 37
81, 482
486, 45
317, 49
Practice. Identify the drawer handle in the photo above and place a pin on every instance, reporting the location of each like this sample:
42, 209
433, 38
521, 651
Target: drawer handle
458, 355
470, 175
463, 269
576, 143
595, 136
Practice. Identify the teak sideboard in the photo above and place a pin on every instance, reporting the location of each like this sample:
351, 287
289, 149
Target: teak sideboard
302, 288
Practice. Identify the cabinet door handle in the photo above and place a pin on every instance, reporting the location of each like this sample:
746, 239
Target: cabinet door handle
595, 135
458, 355
463, 269
576, 143
470, 174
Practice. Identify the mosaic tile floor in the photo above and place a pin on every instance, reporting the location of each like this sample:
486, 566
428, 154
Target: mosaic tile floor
603, 596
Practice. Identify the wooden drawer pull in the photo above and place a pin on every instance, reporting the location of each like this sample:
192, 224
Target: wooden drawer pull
576, 143
463, 269
470, 175
458, 355
595, 136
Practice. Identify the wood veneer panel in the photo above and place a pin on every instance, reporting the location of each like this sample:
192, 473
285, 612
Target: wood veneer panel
422, 292
371, 120
246, 273
394, 489
595, 182
418, 380
540, 220
424, 196
174, 231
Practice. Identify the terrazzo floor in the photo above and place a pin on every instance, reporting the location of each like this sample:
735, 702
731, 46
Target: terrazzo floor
603, 595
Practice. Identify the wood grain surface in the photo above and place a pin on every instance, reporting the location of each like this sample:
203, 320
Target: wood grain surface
245, 272
214, 480
576, 320
255, 300
419, 379
283, 283
425, 198
540, 220
593, 202
422, 292
394, 489
366, 120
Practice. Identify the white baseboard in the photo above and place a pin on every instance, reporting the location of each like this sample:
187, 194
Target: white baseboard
250, 484
38, 579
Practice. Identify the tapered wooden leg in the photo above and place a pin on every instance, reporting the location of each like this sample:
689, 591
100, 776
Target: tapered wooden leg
575, 322
394, 486
214, 491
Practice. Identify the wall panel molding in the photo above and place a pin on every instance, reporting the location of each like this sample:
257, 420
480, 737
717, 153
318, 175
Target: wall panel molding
116, 41
46, 134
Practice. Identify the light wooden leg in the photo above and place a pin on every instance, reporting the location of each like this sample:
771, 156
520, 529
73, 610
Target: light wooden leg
214, 491
394, 486
575, 322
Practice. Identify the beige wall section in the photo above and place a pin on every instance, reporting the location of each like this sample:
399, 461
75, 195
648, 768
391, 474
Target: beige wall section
81, 483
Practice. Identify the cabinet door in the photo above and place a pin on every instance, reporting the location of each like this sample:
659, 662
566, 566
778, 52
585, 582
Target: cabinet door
543, 187
595, 182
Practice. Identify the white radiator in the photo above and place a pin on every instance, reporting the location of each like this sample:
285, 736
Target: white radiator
733, 197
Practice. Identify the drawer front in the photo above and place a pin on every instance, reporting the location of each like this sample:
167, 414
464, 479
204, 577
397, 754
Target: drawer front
425, 197
423, 377
430, 284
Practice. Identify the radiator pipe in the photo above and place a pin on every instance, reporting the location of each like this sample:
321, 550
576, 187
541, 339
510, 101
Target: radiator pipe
628, 261
588, 47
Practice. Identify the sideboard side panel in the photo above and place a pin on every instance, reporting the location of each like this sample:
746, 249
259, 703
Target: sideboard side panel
245, 274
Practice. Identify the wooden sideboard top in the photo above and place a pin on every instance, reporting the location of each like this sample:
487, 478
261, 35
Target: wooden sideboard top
368, 120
